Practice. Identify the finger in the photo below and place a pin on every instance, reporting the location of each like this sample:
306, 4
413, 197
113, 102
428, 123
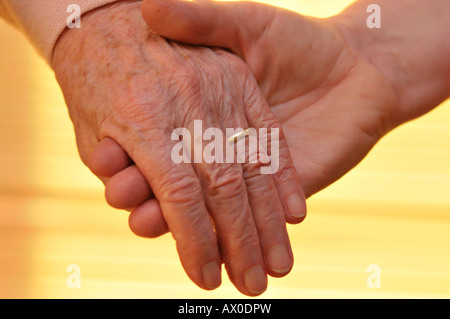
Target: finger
262, 193
281, 166
178, 190
226, 199
147, 220
127, 189
108, 158
209, 23
267, 213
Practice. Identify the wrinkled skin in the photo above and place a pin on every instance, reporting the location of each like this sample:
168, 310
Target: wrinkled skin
125, 83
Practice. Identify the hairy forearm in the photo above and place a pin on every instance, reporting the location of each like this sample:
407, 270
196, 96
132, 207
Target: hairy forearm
411, 48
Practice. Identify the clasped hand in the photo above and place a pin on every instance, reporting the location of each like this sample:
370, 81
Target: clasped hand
127, 89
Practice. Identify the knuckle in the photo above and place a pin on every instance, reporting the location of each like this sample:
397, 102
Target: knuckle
252, 167
247, 242
260, 184
252, 173
271, 123
274, 219
180, 188
225, 181
242, 244
271, 131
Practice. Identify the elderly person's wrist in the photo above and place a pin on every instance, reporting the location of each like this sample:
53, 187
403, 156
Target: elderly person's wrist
107, 23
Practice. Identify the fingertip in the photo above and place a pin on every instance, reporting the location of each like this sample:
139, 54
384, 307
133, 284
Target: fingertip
153, 12
290, 191
296, 208
293, 220
211, 274
168, 18
279, 260
255, 280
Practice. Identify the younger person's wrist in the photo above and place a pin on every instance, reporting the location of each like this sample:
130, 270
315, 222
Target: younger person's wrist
410, 49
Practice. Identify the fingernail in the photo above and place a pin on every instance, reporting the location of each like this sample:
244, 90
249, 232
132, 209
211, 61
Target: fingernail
296, 206
256, 280
211, 275
279, 259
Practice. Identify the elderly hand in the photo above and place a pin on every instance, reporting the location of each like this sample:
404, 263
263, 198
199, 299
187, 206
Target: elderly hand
126, 84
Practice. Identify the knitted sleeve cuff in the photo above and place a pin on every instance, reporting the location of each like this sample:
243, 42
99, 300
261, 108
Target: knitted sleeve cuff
43, 21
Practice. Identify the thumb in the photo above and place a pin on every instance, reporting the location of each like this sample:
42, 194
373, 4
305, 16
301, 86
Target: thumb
208, 23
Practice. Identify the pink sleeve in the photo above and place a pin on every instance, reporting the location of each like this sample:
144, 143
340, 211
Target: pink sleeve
43, 21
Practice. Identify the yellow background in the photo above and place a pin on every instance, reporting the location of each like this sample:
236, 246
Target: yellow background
393, 210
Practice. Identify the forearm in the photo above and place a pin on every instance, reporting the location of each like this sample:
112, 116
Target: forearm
412, 49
